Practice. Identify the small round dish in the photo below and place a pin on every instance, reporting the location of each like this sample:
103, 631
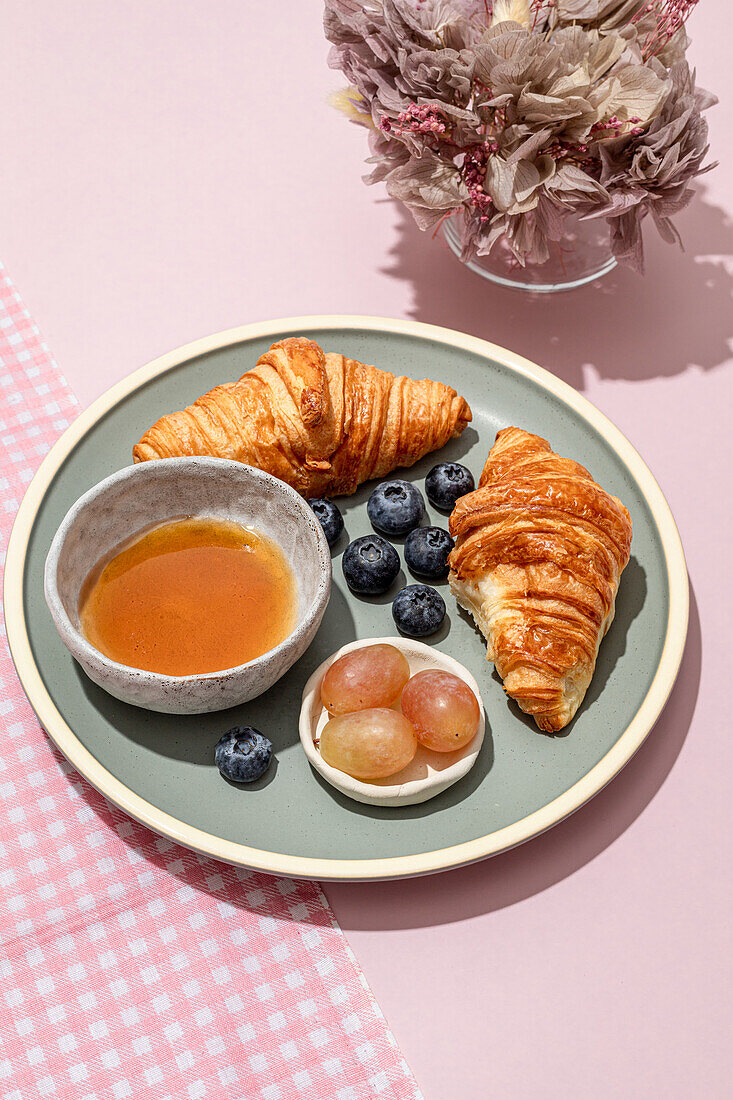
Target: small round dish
428, 773
138, 497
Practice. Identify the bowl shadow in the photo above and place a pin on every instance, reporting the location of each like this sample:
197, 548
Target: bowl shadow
192, 737
447, 798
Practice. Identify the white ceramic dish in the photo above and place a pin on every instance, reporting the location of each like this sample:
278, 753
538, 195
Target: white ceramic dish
137, 497
428, 773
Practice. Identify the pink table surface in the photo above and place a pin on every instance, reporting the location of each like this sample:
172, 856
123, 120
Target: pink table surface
171, 169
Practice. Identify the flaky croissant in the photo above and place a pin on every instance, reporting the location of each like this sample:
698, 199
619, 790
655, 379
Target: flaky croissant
540, 548
322, 423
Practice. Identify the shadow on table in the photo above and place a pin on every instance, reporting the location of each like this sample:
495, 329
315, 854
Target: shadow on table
623, 326
254, 892
540, 863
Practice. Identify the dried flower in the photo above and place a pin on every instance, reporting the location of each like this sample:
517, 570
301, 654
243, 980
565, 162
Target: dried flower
425, 118
511, 11
350, 102
668, 17
518, 112
652, 175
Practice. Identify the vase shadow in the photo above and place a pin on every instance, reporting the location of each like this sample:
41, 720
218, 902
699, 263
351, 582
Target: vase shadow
624, 326
535, 866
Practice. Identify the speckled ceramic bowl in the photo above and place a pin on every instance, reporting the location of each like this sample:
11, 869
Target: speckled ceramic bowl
152, 492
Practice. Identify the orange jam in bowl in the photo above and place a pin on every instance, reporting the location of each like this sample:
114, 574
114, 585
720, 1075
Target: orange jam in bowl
195, 595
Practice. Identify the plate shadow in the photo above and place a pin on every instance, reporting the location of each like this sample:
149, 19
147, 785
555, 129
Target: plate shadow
509, 878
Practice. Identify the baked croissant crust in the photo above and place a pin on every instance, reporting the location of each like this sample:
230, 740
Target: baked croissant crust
540, 548
322, 423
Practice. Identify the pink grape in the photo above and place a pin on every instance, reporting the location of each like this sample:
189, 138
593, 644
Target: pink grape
370, 677
443, 710
369, 744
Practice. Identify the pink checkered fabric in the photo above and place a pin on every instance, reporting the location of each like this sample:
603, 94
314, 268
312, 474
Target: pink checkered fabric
131, 967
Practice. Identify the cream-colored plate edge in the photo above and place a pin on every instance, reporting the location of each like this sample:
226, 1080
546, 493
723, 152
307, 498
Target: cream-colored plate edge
325, 869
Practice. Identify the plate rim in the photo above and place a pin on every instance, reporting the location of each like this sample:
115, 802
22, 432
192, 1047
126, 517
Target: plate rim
321, 869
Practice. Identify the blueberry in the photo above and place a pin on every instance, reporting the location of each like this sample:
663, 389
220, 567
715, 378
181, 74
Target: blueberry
370, 565
446, 482
395, 507
427, 550
243, 754
329, 518
418, 610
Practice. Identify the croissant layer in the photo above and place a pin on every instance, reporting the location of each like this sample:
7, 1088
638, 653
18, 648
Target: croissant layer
321, 422
540, 548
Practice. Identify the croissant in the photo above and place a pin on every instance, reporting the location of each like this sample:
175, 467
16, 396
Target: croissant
539, 551
322, 423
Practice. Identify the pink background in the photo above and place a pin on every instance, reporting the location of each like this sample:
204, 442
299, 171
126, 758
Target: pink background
171, 169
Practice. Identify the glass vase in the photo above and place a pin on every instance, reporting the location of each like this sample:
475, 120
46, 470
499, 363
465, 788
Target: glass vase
582, 255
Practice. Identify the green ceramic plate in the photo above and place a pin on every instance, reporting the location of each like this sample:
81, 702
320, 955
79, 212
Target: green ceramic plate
160, 769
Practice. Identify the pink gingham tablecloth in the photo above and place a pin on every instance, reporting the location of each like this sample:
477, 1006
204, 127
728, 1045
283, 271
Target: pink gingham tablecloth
131, 967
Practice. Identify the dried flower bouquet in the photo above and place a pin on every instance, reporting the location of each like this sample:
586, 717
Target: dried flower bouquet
520, 112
